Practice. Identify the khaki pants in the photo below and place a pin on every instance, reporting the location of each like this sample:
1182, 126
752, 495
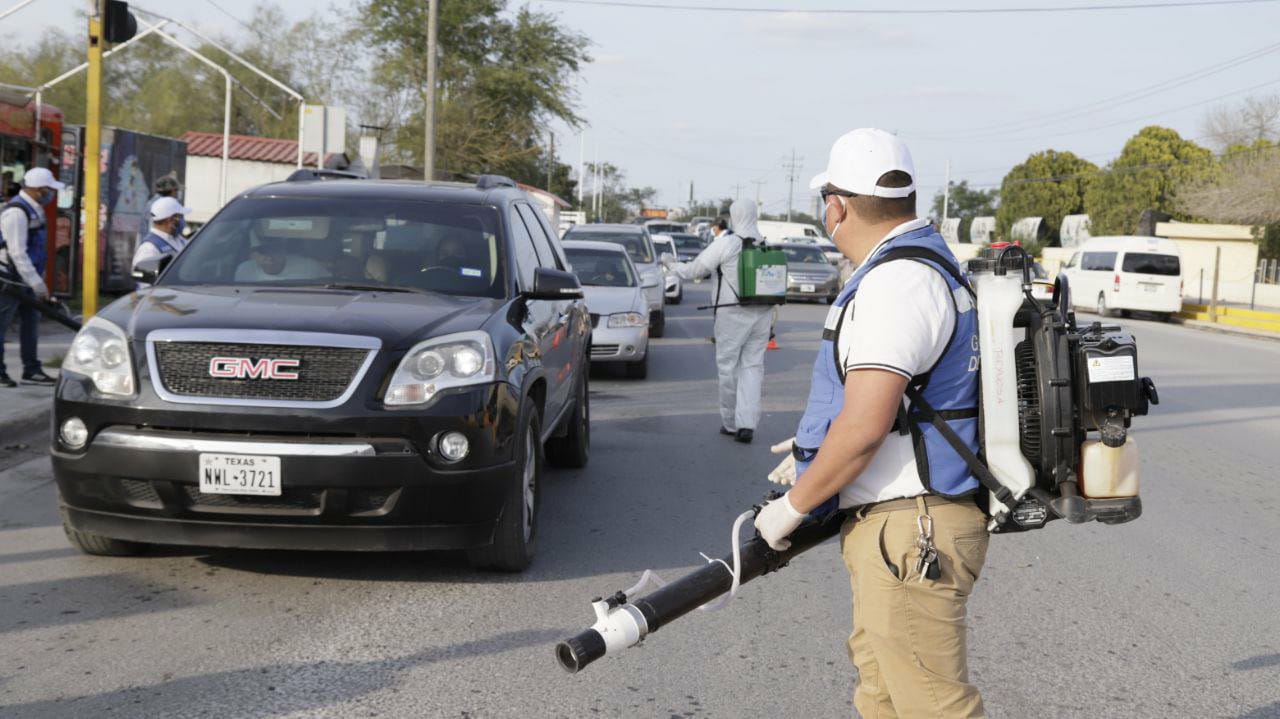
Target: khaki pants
908, 639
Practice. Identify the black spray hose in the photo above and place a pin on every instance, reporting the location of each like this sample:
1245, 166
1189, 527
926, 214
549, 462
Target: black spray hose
51, 308
622, 623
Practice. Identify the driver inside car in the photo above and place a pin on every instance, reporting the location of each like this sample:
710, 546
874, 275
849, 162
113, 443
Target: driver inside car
270, 261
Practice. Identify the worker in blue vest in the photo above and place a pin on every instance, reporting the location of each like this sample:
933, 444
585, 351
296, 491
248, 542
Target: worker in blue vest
892, 365
22, 260
167, 217
166, 186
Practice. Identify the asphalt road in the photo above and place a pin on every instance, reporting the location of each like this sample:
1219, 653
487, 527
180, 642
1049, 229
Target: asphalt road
1173, 615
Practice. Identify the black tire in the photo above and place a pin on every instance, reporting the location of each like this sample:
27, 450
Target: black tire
638, 370
659, 326
678, 298
1163, 316
515, 537
98, 545
573, 449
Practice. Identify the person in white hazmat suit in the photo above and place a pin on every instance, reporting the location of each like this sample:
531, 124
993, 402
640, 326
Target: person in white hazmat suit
741, 331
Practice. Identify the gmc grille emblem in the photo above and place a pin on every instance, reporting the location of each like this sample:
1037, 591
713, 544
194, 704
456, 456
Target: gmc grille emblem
245, 368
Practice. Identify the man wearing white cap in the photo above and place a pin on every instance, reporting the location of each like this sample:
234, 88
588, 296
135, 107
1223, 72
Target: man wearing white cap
22, 258
889, 371
165, 236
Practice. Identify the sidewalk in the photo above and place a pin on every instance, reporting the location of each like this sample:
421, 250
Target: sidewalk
1233, 319
26, 407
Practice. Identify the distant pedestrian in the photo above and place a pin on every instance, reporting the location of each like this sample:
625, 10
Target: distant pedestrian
167, 186
22, 260
165, 236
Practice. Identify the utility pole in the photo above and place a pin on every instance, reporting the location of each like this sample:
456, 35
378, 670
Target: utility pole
737, 190
429, 111
946, 193
759, 184
582, 154
551, 160
92, 150
792, 168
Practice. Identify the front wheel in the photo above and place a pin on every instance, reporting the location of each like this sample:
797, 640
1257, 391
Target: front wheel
572, 449
516, 535
658, 325
98, 545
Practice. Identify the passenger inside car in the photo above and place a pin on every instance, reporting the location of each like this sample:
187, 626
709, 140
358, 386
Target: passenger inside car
271, 261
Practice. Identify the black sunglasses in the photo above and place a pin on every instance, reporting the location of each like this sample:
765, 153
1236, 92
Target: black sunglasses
829, 191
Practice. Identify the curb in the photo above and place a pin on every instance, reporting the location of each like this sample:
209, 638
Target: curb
18, 426
1219, 329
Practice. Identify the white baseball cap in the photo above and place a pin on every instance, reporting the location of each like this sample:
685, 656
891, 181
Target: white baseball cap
167, 207
40, 177
858, 160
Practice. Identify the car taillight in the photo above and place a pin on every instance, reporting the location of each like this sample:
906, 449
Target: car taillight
1117, 286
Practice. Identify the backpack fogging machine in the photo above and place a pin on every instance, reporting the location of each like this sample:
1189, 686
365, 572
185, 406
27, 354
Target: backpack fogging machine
1046, 384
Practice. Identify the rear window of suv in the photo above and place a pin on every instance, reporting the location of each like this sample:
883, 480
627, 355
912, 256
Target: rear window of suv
424, 246
634, 242
1146, 263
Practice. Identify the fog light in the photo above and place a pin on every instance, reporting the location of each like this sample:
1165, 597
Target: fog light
74, 434
453, 446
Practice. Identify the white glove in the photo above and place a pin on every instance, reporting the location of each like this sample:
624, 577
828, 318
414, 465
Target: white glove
785, 472
777, 520
667, 261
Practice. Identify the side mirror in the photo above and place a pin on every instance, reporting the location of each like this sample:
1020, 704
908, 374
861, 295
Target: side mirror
149, 269
650, 283
549, 284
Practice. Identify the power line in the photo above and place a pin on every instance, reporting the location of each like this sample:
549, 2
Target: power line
1125, 98
229, 14
909, 11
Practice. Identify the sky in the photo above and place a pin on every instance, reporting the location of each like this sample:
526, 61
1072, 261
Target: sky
722, 99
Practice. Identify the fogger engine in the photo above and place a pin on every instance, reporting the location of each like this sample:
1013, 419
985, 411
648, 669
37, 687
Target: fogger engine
1057, 403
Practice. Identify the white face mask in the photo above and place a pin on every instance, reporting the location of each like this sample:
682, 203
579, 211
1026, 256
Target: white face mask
832, 233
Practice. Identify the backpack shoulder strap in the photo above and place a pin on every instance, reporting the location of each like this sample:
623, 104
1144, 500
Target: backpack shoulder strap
942, 264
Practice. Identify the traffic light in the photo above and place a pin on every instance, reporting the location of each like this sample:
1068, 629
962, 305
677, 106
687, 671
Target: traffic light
118, 24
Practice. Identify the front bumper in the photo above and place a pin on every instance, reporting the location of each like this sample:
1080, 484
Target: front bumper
806, 289
352, 478
626, 344
672, 286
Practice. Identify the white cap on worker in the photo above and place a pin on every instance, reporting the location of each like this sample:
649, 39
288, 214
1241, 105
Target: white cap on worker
40, 177
167, 207
858, 160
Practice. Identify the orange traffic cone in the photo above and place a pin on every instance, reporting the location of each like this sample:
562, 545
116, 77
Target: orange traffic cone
773, 343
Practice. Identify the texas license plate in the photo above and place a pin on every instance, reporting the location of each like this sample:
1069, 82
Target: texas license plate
240, 474
807, 288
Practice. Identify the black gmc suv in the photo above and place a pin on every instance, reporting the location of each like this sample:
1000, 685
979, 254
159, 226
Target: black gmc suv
343, 365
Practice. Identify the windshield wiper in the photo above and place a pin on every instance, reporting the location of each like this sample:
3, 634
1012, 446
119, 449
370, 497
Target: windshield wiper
371, 288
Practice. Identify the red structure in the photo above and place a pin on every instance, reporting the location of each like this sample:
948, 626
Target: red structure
22, 147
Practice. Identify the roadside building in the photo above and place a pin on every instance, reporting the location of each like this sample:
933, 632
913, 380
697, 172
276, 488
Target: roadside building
252, 161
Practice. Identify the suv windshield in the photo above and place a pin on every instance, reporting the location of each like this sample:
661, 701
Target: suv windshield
354, 244
1146, 263
601, 268
640, 251
686, 241
804, 254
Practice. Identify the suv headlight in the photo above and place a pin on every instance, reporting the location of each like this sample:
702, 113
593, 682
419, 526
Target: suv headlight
438, 364
628, 319
100, 352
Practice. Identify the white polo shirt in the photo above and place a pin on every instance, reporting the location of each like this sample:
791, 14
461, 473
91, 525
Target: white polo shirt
901, 320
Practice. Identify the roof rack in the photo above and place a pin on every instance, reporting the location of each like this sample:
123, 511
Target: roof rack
308, 174
486, 182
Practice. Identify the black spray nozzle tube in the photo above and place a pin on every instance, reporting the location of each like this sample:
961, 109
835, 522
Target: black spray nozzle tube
55, 311
621, 626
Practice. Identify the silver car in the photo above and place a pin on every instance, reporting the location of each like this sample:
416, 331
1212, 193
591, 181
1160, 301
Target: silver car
809, 275
672, 285
617, 304
639, 245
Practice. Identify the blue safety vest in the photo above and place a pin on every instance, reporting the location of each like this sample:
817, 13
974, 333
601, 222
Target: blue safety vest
949, 388
36, 234
159, 243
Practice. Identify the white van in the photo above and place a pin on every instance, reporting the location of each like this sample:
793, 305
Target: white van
778, 231
1126, 273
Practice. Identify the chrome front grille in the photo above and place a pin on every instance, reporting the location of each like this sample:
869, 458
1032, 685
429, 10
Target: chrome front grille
604, 350
321, 369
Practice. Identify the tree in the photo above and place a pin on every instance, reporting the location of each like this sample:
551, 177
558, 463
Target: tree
1048, 184
1255, 119
1147, 174
618, 202
966, 204
502, 80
